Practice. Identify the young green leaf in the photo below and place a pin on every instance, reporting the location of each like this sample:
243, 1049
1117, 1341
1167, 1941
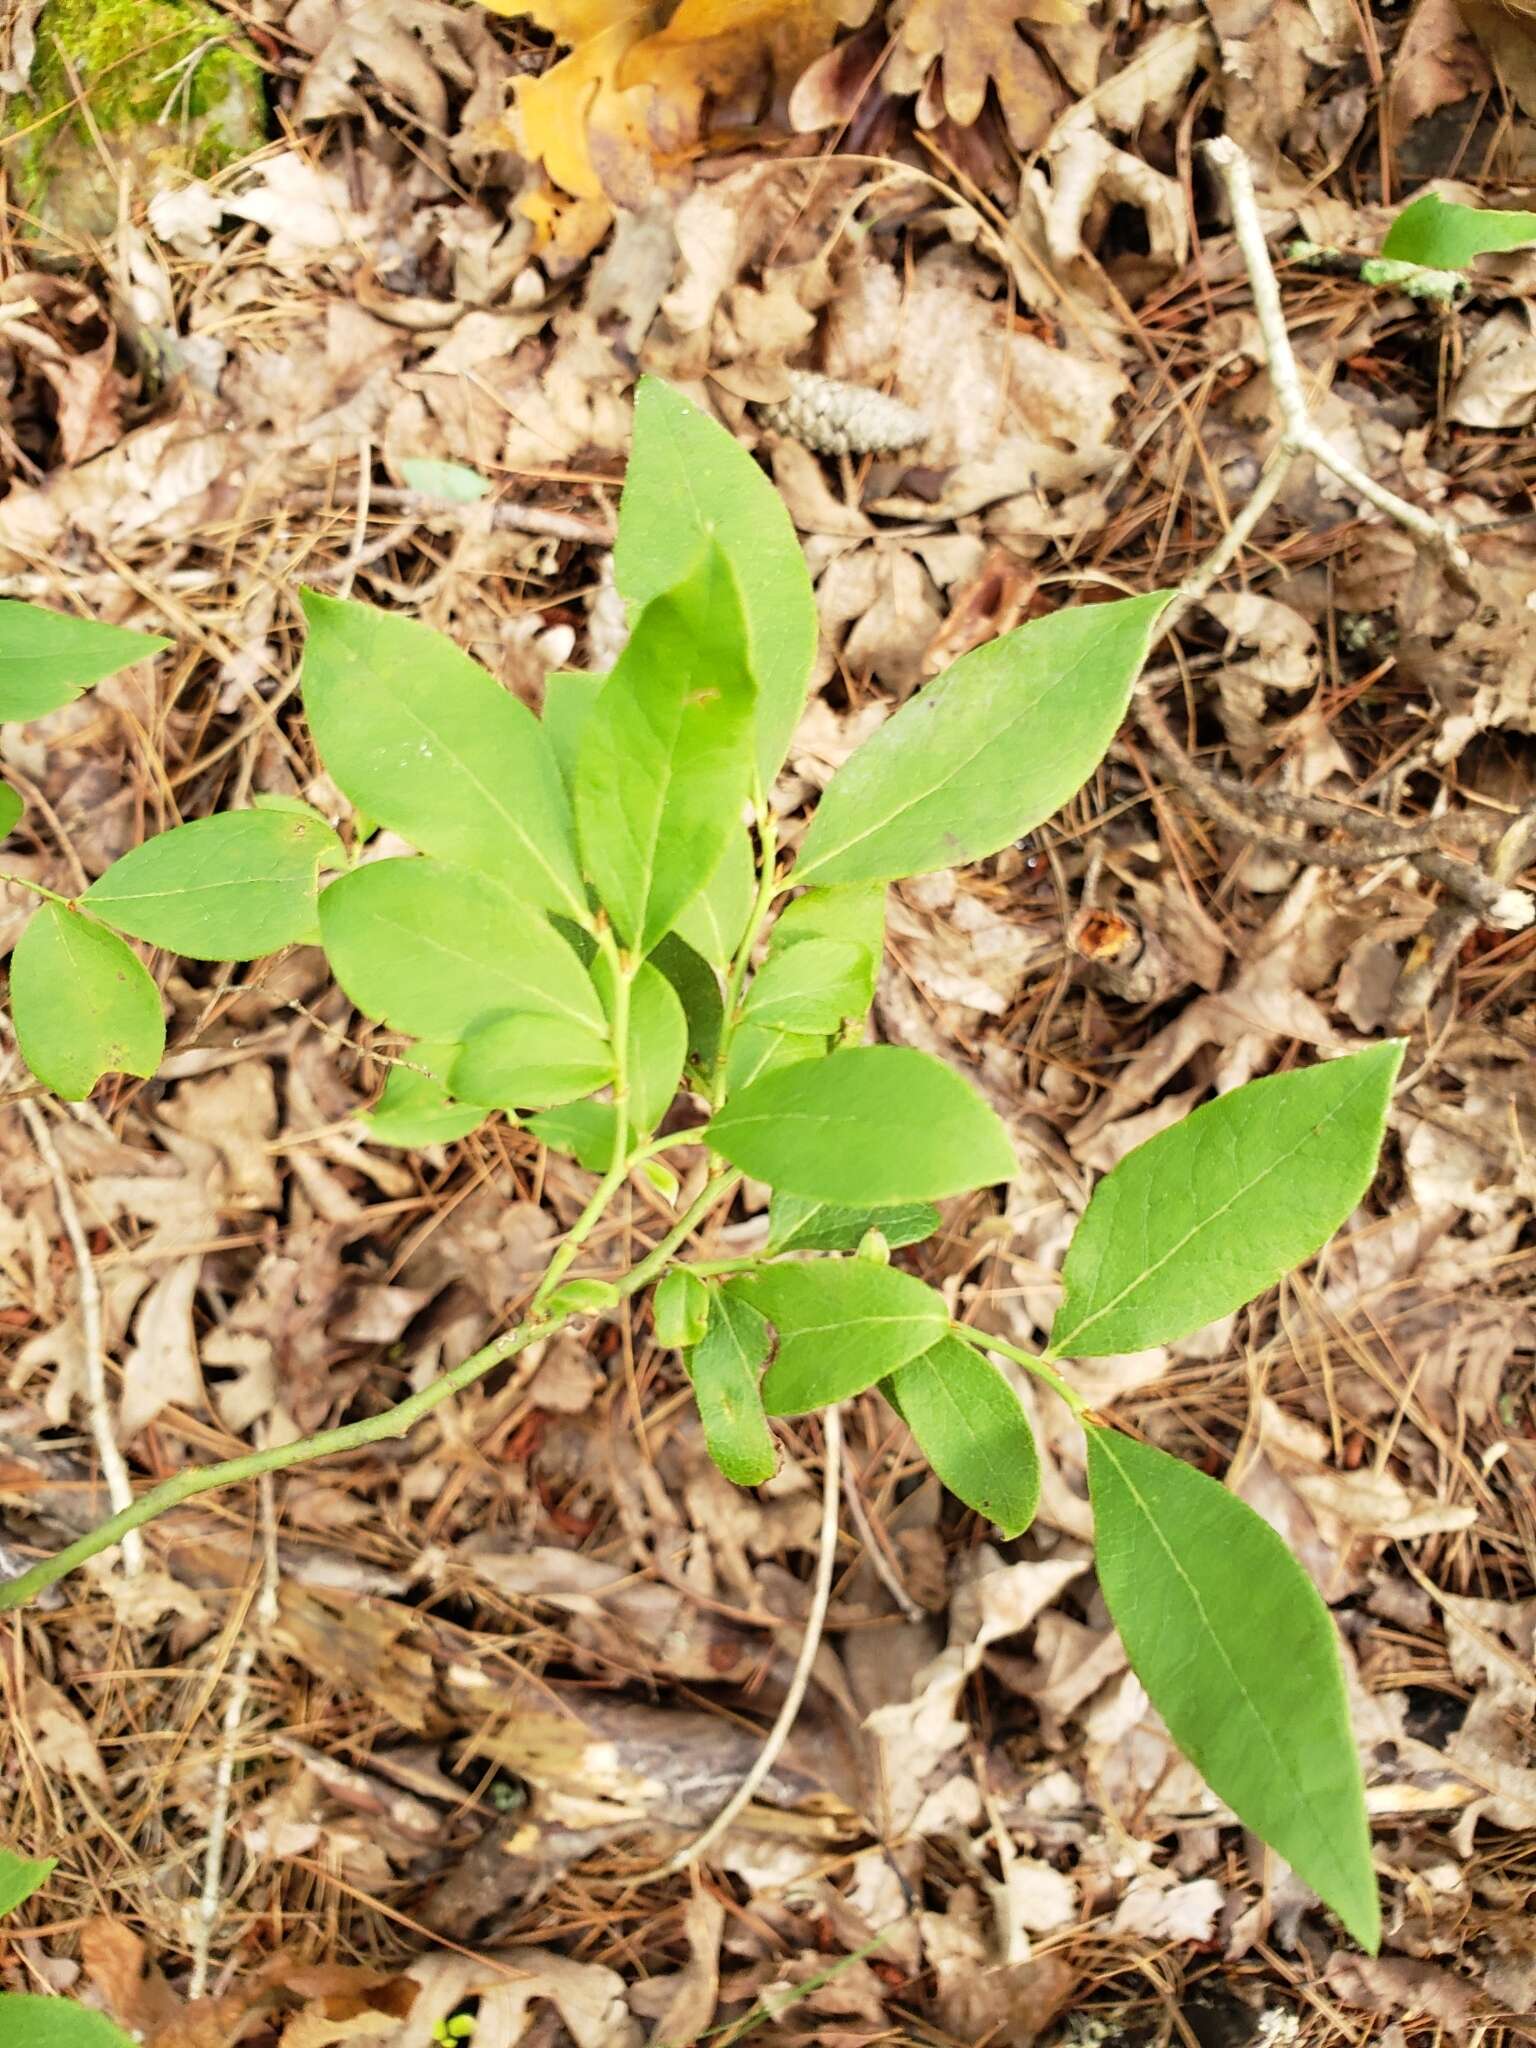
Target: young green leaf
985, 753
527, 1059
1209, 1213
451, 481
755, 1052
797, 1225
810, 987
47, 658
31, 2021
876, 1124
680, 1309
970, 1426
427, 743
11, 808
842, 1324
658, 1045
568, 702
697, 988
716, 918
582, 1129
724, 1368
230, 887
666, 755
1238, 1654
1440, 235
82, 1003
428, 948
20, 1877
852, 913
690, 480
416, 1107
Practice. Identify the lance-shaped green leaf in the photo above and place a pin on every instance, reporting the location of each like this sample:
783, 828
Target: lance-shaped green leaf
658, 1045
424, 741
1440, 235
688, 481
716, 918
528, 1059
20, 1877
798, 1225
585, 1130
47, 658
851, 913
842, 1324
876, 1124
985, 753
11, 808
666, 755
416, 1107
1238, 1654
724, 1367
1209, 1213
82, 1003
230, 887
972, 1429
810, 987
430, 948
697, 988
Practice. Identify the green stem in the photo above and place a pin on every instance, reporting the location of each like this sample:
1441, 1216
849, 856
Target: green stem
52, 895
982, 1340
767, 840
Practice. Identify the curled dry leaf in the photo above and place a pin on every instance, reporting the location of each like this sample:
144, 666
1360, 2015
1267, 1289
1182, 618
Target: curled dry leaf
951, 52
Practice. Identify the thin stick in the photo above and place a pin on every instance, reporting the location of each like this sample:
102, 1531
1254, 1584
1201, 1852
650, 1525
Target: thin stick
114, 1466
810, 1644
874, 1550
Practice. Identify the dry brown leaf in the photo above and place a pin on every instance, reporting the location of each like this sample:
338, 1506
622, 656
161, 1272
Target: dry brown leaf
1497, 385
162, 1370
956, 49
1507, 32
1394, 1984
1438, 63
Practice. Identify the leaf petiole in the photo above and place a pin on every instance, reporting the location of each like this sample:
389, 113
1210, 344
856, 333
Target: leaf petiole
983, 1340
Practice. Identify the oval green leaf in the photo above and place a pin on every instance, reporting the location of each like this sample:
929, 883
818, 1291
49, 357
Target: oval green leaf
582, 1129
658, 1045
530, 1060
666, 755
972, 1429
690, 480
875, 1124
83, 1004
996, 745
430, 948
11, 808
1206, 1215
798, 1225
416, 1107
697, 987
20, 1877
230, 887
47, 658
680, 1309
29, 2021
1238, 1654
811, 986
424, 741
724, 1367
842, 1324
1440, 235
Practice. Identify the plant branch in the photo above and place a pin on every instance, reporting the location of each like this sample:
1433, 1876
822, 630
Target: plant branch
767, 888
983, 1340
51, 895
800, 1678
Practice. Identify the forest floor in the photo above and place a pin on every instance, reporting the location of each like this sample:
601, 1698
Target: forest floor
468, 1689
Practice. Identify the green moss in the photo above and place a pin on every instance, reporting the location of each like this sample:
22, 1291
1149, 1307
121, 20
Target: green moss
170, 86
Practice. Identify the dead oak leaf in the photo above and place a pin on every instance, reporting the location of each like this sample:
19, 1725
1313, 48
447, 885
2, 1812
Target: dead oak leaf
967, 45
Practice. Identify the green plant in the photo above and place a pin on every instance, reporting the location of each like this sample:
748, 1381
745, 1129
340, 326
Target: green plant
596, 921
42, 2022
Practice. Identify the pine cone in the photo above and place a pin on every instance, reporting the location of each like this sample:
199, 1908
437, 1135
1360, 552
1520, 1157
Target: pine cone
842, 419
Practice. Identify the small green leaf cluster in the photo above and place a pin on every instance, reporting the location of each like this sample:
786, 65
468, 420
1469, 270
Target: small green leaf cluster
594, 934
45, 2022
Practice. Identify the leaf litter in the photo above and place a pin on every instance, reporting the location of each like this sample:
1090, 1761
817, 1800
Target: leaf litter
515, 1664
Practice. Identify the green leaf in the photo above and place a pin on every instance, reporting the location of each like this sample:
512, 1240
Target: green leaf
875, 1124
427, 743
853, 912
1443, 236
568, 703
797, 1225
716, 918
451, 481
429, 948
658, 1045
29, 2021
680, 1309
530, 1060
20, 1877
689, 480
724, 1369
809, 987
1238, 1654
1206, 1215
416, 1108
842, 1325
756, 1052
230, 887
583, 1129
581, 1298
972, 1429
997, 744
11, 808
82, 1003
47, 658
697, 988
666, 755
